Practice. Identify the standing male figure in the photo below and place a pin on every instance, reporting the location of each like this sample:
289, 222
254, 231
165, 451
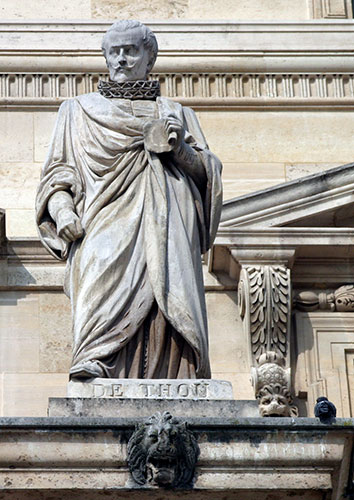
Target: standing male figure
130, 195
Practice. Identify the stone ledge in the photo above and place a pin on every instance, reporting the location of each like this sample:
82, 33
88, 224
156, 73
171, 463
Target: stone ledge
248, 458
345, 425
133, 408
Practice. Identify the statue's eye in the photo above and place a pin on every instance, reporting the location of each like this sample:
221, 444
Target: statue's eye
130, 50
153, 438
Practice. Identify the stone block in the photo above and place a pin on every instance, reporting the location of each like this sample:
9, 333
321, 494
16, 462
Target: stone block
227, 346
224, 342
40, 276
150, 9
263, 10
196, 9
273, 137
234, 188
241, 382
44, 122
297, 170
26, 394
18, 185
133, 408
16, 131
21, 223
254, 171
19, 332
55, 333
146, 389
45, 9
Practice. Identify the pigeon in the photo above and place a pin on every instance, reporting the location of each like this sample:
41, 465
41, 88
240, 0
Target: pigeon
325, 410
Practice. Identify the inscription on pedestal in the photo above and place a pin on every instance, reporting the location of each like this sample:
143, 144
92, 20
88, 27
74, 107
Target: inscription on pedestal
151, 389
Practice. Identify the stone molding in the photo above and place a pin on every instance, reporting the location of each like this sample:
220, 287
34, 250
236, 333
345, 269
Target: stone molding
331, 9
235, 65
325, 345
254, 458
221, 90
293, 201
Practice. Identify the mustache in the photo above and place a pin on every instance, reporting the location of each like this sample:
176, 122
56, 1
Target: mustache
124, 66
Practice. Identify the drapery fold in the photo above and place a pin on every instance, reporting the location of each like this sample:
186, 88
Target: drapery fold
145, 226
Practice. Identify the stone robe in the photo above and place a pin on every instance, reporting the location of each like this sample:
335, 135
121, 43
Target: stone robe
145, 224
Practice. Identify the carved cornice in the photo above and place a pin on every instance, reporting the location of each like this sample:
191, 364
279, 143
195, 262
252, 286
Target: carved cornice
260, 65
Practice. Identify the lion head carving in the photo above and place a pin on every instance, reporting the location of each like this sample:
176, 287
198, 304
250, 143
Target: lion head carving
162, 452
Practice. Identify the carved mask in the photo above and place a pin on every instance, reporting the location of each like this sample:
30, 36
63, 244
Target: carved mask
162, 456
163, 453
273, 405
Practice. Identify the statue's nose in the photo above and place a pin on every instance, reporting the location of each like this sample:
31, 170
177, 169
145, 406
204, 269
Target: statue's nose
121, 58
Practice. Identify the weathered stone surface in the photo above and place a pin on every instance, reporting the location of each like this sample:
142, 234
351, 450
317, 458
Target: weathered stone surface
16, 129
205, 389
249, 458
26, 394
121, 289
151, 9
136, 408
45, 9
55, 336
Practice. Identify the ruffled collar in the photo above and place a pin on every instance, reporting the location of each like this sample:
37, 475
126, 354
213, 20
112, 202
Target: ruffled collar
139, 89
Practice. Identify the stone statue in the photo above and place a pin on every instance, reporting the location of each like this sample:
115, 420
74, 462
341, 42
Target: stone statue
130, 195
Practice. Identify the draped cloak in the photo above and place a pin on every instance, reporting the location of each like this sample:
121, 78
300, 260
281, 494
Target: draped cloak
145, 221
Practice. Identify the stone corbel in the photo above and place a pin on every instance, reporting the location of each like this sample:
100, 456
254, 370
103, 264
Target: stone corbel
265, 307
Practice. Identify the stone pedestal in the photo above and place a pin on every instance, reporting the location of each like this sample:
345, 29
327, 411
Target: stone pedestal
135, 398
136, 408
197, 389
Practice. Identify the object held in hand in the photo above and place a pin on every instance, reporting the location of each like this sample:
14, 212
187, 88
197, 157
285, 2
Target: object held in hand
157, 139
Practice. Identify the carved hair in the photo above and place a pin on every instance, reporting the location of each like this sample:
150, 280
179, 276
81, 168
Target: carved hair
178, 443
148, 37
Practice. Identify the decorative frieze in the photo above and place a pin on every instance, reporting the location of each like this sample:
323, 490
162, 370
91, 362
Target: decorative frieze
214, 89
341, 300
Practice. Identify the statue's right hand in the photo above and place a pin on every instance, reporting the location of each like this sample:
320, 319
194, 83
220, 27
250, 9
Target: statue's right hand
69, 226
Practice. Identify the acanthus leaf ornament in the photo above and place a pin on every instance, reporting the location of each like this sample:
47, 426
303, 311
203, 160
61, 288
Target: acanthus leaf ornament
265, 307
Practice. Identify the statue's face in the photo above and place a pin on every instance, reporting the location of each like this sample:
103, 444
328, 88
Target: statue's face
127, 59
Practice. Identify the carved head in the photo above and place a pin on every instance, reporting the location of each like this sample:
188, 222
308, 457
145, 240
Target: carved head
272, 386
130, 49
275, 401
162, 452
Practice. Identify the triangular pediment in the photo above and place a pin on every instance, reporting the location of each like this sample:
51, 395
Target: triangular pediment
325, 199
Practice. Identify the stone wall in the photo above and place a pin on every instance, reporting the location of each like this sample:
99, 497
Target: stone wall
275, 100
175, 9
